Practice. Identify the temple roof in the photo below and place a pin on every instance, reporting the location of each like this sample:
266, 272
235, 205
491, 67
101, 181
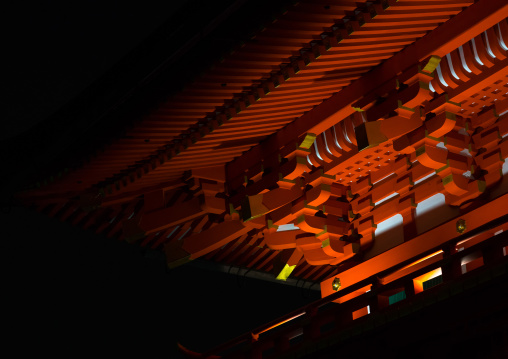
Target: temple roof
294, 107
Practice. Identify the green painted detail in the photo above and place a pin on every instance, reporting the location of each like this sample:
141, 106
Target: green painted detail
424, 85
448, 179
432, 282
399, 104
432, 137
420, 151
444, 167
232, 209
286, 180
451, 115
324, 231
397, 297
482, 185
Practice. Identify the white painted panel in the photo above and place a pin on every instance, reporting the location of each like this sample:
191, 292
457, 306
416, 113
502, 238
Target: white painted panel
287, 227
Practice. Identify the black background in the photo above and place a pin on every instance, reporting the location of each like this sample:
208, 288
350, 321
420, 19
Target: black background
67, 292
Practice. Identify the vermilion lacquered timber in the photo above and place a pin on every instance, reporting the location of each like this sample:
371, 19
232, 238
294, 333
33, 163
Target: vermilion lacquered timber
348, 138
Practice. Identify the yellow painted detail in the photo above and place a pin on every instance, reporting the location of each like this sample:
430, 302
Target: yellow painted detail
281, 178
232, 209
326, 187
324, 231
311, 207
420, 151
431, 137
308, 140
399, 105
286, 272
444, 167
432, 64
451, 102
271, 225
451, 116
482, 185
447, 179
301, 160
356, 246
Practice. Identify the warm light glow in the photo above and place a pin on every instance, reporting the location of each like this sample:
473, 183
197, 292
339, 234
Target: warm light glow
422, 259
255, 335
355, 294
361, 312
418, 281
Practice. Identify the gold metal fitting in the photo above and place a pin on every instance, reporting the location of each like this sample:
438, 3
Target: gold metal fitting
336, 284
461, 225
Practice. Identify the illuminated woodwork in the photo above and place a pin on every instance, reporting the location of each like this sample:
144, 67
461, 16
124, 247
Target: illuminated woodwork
368, 152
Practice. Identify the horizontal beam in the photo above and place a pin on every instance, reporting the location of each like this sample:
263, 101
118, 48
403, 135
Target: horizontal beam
423, 243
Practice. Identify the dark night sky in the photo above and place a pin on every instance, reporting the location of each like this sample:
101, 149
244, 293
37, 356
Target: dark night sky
68, 292
55, 49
